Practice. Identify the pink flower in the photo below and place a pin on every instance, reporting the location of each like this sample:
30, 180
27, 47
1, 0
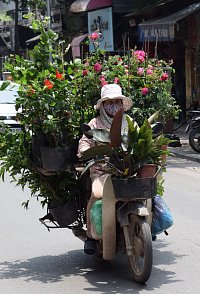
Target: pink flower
94, 36
85, 72
140, 55
104, 83
97, 67
149, 71
102, 79
116, 80
140, 58
150, 66
140, 71
144, 91
164, 77
86, 64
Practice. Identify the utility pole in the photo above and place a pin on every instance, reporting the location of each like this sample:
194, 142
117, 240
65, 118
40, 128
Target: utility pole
49, 26
16, 47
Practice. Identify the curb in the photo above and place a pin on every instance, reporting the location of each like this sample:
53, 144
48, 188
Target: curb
183, 154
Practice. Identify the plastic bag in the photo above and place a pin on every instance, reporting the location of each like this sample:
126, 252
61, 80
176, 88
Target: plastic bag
96, 219
162, 218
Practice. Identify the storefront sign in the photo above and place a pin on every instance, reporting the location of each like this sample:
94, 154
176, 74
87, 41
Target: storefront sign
101, 20
156, 33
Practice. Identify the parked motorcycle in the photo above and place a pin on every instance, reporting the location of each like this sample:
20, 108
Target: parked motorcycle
194, 135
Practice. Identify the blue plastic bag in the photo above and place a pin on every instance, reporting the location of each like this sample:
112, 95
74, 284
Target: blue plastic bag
162, 218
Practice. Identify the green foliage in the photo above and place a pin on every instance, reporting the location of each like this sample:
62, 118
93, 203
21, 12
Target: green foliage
139, 147
56, 97
45, 102
146, 80
45, 106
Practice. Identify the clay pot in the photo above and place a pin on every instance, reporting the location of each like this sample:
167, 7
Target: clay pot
147, 171
164, 156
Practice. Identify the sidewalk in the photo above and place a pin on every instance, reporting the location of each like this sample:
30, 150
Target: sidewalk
185, 151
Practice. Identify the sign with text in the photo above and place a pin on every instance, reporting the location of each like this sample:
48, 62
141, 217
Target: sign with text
162, 33
101, 20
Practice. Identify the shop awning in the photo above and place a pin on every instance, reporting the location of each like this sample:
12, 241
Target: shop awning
88, 5
163, 29
75, 45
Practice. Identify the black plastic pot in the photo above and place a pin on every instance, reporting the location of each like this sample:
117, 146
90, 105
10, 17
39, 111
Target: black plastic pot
38, 141
73, 151
131, 188
55, 159
64, 214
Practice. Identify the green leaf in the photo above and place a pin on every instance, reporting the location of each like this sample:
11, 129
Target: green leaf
100, 135
99, 150
4, 85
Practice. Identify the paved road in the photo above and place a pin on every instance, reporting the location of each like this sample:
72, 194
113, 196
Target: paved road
33, 260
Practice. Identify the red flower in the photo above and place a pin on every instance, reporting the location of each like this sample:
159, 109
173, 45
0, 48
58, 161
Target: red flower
59, 75
164, 76
85, 72
48, 84
30, 91
97, 67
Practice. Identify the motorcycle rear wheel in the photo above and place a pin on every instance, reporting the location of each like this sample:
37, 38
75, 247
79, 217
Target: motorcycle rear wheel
194, 139
140, 259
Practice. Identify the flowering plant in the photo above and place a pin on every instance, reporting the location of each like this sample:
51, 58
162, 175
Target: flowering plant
44, 102
44, 107
146, 80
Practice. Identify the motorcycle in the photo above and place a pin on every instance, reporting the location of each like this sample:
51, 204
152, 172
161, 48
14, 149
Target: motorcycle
125, 219
194, 135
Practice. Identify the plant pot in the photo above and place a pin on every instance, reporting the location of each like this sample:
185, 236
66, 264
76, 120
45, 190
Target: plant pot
38, 141
64, 214
130, 188
164, 156
168, 126
55, 159
147, 171
73, 151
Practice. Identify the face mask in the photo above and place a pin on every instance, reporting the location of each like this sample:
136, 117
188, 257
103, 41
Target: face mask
112, 109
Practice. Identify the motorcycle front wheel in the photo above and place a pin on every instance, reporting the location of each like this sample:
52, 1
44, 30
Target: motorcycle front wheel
194, 139
139, 248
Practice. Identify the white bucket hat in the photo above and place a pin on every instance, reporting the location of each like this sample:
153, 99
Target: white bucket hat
114, 91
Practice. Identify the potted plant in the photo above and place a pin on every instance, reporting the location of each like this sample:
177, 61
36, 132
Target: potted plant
45, 105
46, 112
126, 155
55, 189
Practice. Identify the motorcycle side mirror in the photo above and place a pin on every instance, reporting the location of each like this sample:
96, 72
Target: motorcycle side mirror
157, 128
85, 129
